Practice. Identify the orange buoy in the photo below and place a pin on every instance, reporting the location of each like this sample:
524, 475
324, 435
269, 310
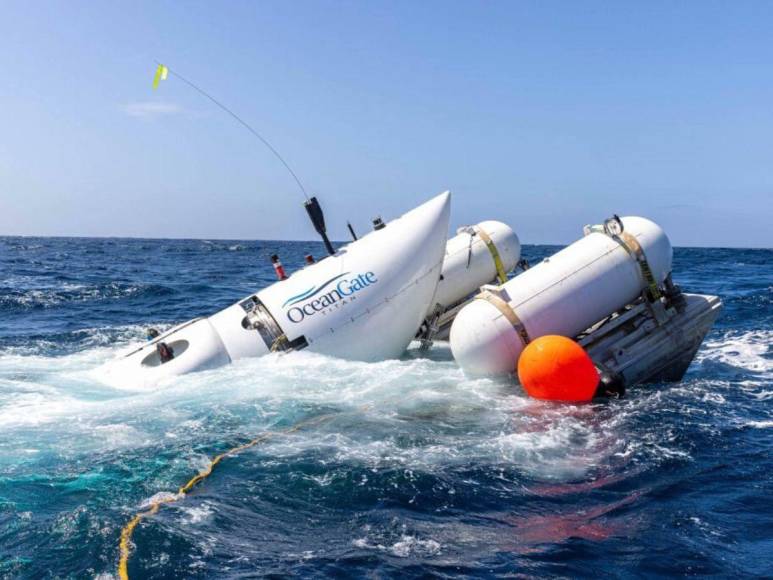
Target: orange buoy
556, 368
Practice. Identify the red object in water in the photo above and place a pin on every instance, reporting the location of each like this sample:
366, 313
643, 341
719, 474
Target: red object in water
556, 368
278, 268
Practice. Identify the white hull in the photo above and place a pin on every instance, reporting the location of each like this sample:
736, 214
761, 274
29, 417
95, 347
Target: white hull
364, 303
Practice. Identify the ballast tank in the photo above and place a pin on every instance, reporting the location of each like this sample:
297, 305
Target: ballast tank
564, 294
476, 255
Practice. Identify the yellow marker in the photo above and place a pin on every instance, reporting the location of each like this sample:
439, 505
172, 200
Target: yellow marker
161, 73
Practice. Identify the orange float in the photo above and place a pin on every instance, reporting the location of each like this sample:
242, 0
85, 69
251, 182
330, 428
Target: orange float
556, 368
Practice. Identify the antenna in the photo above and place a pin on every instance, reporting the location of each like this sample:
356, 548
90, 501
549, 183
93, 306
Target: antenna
241, 122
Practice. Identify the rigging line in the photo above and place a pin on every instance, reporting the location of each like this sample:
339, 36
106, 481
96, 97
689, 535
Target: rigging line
125, 539
153, 507
243, 123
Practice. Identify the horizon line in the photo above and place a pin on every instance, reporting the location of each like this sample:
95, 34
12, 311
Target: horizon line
182, 239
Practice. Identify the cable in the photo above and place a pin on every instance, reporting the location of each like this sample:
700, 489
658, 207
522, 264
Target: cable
127, 531
243, 123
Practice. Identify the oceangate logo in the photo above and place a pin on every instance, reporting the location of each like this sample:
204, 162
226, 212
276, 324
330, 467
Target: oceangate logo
323, 298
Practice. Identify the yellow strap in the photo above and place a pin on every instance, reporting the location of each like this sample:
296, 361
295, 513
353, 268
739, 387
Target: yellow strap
507, 312
501, 274
633, 247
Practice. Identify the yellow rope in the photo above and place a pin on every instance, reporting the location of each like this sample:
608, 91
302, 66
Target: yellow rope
128, 529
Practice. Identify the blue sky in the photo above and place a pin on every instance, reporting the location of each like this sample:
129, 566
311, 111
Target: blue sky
545, 115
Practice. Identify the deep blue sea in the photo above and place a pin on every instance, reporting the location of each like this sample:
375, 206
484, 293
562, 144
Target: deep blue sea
420, 472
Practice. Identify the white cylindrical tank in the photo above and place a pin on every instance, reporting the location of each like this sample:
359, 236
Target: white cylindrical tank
469, 260
565, 294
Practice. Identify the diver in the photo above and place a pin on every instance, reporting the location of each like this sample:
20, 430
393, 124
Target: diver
165, 352
152, 333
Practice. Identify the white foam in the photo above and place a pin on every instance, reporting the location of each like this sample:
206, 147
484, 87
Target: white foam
160, 497
750, 350
759, 424
405, 547
408, 545
415, 414
197, 514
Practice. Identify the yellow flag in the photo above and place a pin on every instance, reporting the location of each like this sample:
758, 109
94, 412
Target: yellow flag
161, 73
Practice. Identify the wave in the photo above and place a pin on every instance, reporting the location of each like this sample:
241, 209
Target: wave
408, 468
748, 351
485, 418
448, 419
42, 298
414, 434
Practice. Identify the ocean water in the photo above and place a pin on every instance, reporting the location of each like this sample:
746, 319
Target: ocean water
416, 470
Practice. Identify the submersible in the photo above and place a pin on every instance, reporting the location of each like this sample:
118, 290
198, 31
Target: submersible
364, 302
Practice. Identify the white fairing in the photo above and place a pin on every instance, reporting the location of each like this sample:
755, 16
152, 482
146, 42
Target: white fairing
468, 262
197, 344
363, 303
564, 294
398, 269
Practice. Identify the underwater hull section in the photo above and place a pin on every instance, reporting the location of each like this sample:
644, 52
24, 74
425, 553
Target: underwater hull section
564, 295
363, 303
647, 344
